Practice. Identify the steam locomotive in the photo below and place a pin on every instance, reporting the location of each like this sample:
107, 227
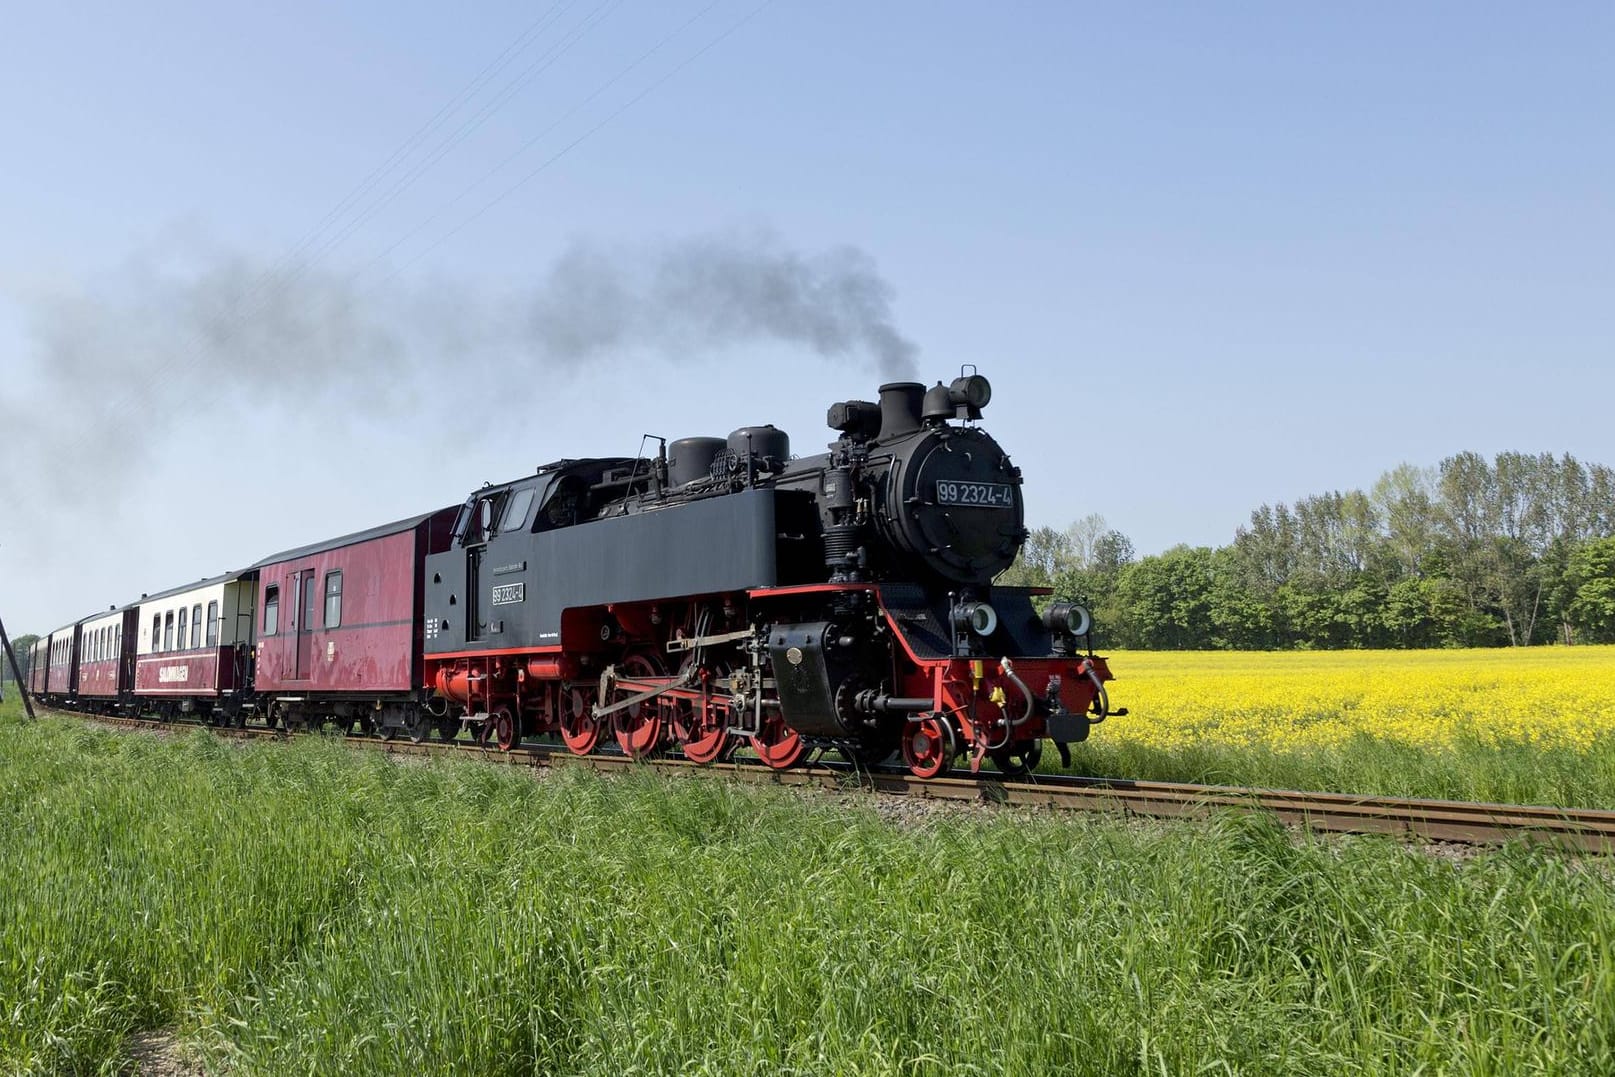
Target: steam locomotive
725, 593
718, 595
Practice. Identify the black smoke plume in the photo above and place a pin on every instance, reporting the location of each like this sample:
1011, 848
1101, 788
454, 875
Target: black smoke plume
199, 331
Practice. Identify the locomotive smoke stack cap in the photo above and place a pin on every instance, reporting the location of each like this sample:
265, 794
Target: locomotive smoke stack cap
900, 403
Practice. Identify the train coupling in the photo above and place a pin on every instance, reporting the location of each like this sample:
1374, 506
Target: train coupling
1063, 727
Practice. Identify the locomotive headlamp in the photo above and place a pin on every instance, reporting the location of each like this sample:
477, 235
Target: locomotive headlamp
979, 617
1068, 617
972, 391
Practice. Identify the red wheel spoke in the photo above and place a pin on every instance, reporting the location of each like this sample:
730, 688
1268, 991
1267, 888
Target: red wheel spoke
703, 732
778, 745
638, 728
928, 747
580, 729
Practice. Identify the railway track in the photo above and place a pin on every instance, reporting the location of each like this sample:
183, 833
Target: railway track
1572, 829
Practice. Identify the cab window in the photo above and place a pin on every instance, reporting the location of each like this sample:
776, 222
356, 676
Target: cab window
515, 513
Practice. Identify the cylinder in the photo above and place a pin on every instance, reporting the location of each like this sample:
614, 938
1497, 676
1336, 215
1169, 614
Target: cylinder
769, 444
559, 668
454, 684
900, 403
689, 459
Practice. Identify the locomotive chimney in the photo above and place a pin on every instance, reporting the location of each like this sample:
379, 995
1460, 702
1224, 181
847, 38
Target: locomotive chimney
900, 408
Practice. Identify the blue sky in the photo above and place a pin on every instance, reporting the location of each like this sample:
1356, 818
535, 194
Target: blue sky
1210, 255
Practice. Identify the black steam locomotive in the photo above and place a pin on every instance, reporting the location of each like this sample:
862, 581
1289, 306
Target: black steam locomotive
723, 594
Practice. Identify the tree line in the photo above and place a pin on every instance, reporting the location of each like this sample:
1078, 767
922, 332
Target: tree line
24, 647
1516, 550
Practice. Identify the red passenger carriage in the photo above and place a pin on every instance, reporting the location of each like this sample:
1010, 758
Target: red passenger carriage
106, 665
61, 682
38, 666
339, 626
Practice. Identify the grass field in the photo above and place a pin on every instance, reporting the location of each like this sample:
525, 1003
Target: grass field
1528, 725
306, 908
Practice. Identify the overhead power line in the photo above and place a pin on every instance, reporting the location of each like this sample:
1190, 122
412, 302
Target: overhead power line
585, 136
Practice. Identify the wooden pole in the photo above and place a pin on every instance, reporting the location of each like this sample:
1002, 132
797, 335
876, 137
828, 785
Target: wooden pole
16, 671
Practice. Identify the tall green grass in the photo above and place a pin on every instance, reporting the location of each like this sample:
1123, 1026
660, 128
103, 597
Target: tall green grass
305, 908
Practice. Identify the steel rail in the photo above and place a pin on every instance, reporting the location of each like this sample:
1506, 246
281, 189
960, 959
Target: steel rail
1581, 830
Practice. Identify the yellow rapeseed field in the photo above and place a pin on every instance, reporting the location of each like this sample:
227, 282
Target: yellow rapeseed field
1549, 696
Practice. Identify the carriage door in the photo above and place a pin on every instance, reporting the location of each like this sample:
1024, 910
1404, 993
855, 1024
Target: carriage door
303, 587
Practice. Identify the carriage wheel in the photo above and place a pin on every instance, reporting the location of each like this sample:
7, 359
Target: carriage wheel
580, 729
504, 729
702, 732
419, 727
448, 729
1017, 759
928, 747
777, 744
638, 729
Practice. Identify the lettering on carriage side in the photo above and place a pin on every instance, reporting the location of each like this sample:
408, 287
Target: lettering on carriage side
508, 594
171, 674
505, 570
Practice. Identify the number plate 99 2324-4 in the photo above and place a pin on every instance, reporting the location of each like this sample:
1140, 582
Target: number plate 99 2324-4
996, 495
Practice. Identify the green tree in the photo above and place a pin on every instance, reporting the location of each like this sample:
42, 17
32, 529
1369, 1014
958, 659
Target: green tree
23, 645
1592, 573
1165, 601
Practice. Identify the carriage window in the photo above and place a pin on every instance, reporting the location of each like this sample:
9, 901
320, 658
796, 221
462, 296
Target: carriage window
213, 623
117, 641
168, 631
156, 631
333, 599
196, 625
516, 511
271, 609
181, 643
